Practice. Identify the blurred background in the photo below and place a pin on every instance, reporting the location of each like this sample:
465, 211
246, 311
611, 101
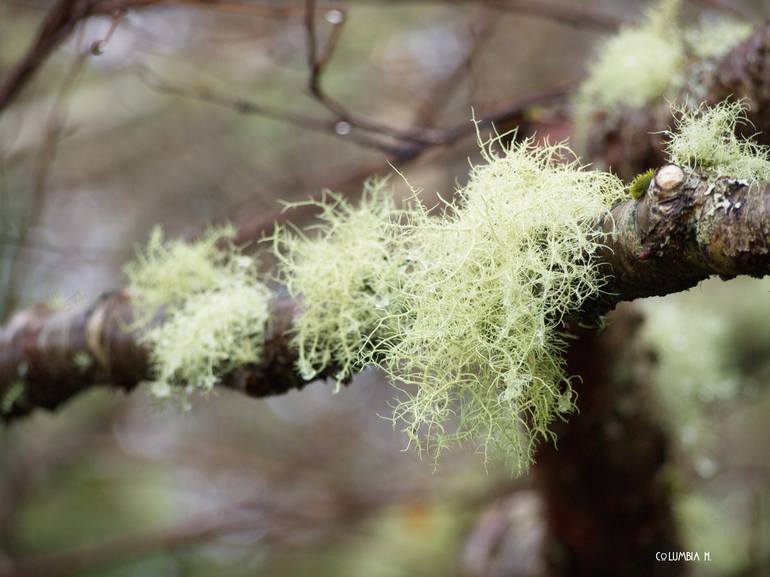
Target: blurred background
192, 115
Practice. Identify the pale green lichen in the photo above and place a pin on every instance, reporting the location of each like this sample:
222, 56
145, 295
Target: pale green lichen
343, 278
715, 38
464, 307
166, 272
645, 62
213, 310
13, 395
212, 333
637, 65
705, 137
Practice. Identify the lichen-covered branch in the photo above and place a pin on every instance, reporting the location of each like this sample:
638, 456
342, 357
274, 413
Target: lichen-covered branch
628, 138
48, 356
687, 227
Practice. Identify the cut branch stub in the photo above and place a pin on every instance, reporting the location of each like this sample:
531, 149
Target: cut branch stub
668, 181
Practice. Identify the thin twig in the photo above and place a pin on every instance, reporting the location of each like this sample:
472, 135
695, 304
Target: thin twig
250, 107
48, 149
64, 16
317, 65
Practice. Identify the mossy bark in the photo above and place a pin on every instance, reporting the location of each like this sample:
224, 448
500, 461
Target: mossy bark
681, 233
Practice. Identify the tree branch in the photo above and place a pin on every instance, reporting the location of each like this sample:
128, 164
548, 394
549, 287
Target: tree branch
609, 507
689, 226
55, 355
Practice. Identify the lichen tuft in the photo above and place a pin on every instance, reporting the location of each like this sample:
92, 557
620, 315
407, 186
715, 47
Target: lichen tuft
210, 334
706, 137
647, 61
201, 308
637, 65
463, 308
166, 272
715, 38
342, 277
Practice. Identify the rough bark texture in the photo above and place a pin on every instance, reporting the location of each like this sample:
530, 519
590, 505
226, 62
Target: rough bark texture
59, 23
671, 239
608, 504
745, 73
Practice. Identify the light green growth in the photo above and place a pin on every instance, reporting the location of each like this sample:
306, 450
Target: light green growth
212, 333
165, 273
214, 309
641, 183
57, 302
637, 65
489, 284
715, 38
705, 137
13, 395
464, 307
343, 278
643, 63
82, 361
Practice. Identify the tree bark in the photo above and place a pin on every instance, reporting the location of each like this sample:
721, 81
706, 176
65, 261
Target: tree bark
607, 498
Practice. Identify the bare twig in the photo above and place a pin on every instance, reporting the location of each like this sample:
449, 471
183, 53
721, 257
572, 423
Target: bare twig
48, 150
57, 25
249, 107
560, 13
64, 16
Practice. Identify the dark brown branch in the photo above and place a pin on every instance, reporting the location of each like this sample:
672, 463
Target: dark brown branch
56, 27
317, 60
399, 144
688, 227
54, 355
250, 107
